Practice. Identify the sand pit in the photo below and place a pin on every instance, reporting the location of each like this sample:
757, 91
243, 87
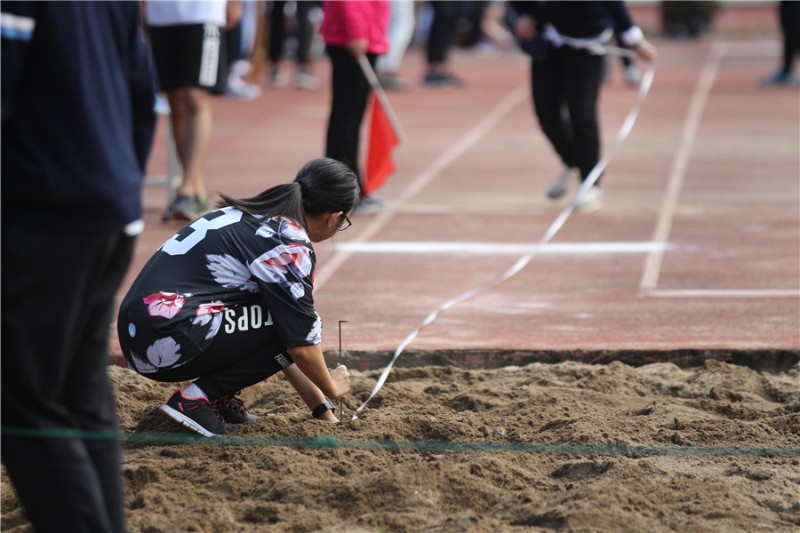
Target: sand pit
544, 447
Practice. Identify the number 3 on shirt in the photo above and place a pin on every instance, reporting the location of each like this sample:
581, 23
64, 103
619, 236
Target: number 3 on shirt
188, 237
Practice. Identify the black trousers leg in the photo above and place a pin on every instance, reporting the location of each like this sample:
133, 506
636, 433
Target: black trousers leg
277, 31
547, 89
565, 88
238, 358
583, 77
445, 14
790, 27
305, 32
350, 92
57, 301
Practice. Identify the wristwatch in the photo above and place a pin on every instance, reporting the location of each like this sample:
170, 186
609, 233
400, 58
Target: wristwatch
319, 410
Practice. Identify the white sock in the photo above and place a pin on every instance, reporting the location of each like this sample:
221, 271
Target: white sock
193, 392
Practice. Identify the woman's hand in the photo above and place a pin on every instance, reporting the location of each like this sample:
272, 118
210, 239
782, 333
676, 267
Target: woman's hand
341, 379
358, 47
525, 28
645, 50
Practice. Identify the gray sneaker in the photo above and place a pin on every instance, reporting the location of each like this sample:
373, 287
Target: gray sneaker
559, 187
185, 207
369, 205
305, 80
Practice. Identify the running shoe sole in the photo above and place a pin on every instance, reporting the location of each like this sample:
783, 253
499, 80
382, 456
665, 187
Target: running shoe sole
185, 421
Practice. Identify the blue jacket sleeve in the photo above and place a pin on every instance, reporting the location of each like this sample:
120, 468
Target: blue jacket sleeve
142, 95
619, 13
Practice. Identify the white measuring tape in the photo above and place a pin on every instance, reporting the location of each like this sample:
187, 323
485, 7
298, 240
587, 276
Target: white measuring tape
558, 223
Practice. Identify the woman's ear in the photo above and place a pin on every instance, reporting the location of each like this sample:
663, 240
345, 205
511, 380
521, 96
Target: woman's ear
334, 218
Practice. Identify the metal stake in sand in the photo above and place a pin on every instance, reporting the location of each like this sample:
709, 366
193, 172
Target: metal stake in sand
341, 401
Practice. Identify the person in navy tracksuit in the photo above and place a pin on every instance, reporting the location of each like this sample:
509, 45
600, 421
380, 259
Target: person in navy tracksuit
78, 125
565, 41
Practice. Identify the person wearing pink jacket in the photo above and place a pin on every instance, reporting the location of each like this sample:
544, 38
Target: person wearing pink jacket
352, 29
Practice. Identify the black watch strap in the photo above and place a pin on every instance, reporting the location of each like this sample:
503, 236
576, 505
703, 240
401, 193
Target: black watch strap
319, 410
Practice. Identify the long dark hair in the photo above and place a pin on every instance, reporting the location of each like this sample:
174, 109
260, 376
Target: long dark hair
323, 185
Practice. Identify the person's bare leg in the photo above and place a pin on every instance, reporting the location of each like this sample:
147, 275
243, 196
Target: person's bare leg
191, 123
177, 118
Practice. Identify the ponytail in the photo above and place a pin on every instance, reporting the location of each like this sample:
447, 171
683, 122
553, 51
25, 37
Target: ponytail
321, 186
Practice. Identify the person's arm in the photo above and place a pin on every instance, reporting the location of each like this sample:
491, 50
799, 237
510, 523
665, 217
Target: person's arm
310, 361
309, 392
284, 275
628, 32
645, 50
233, 13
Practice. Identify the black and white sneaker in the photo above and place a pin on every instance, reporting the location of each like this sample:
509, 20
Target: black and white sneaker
197, 414
232, 410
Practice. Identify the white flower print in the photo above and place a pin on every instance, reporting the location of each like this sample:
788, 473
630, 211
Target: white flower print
164, 304
287, 228
210, 313
142, 366
230, 272
274, 265
315, 335
163, 353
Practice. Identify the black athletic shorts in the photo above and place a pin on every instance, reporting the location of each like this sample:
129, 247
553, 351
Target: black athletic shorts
191, 55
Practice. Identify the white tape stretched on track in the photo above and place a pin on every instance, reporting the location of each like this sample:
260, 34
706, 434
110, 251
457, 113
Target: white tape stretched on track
558, 223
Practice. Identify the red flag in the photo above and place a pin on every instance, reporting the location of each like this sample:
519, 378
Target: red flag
382, 141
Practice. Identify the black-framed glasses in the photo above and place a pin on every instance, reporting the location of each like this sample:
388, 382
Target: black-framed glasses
346, 224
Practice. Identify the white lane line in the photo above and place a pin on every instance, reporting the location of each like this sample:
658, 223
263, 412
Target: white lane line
652, 268
751, 48
725, 293
455, 150
484, 248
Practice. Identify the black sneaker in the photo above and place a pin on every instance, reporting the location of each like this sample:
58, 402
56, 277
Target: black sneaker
442, 79
197, 414
232, 410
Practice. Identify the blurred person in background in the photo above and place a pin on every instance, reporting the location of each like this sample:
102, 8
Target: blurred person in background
562, 39
402, 18
78, 125
295, 19
789, 15
439, 44
352, 30
187, 39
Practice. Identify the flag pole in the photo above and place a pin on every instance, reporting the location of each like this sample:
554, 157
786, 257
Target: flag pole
372, 78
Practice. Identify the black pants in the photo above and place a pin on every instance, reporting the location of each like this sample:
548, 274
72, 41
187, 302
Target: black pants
350, 92
277, 31
440, 36
790, 28
57, 300
235, 360
566, 86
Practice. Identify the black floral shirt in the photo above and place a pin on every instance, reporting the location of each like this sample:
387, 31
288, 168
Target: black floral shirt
225, 272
